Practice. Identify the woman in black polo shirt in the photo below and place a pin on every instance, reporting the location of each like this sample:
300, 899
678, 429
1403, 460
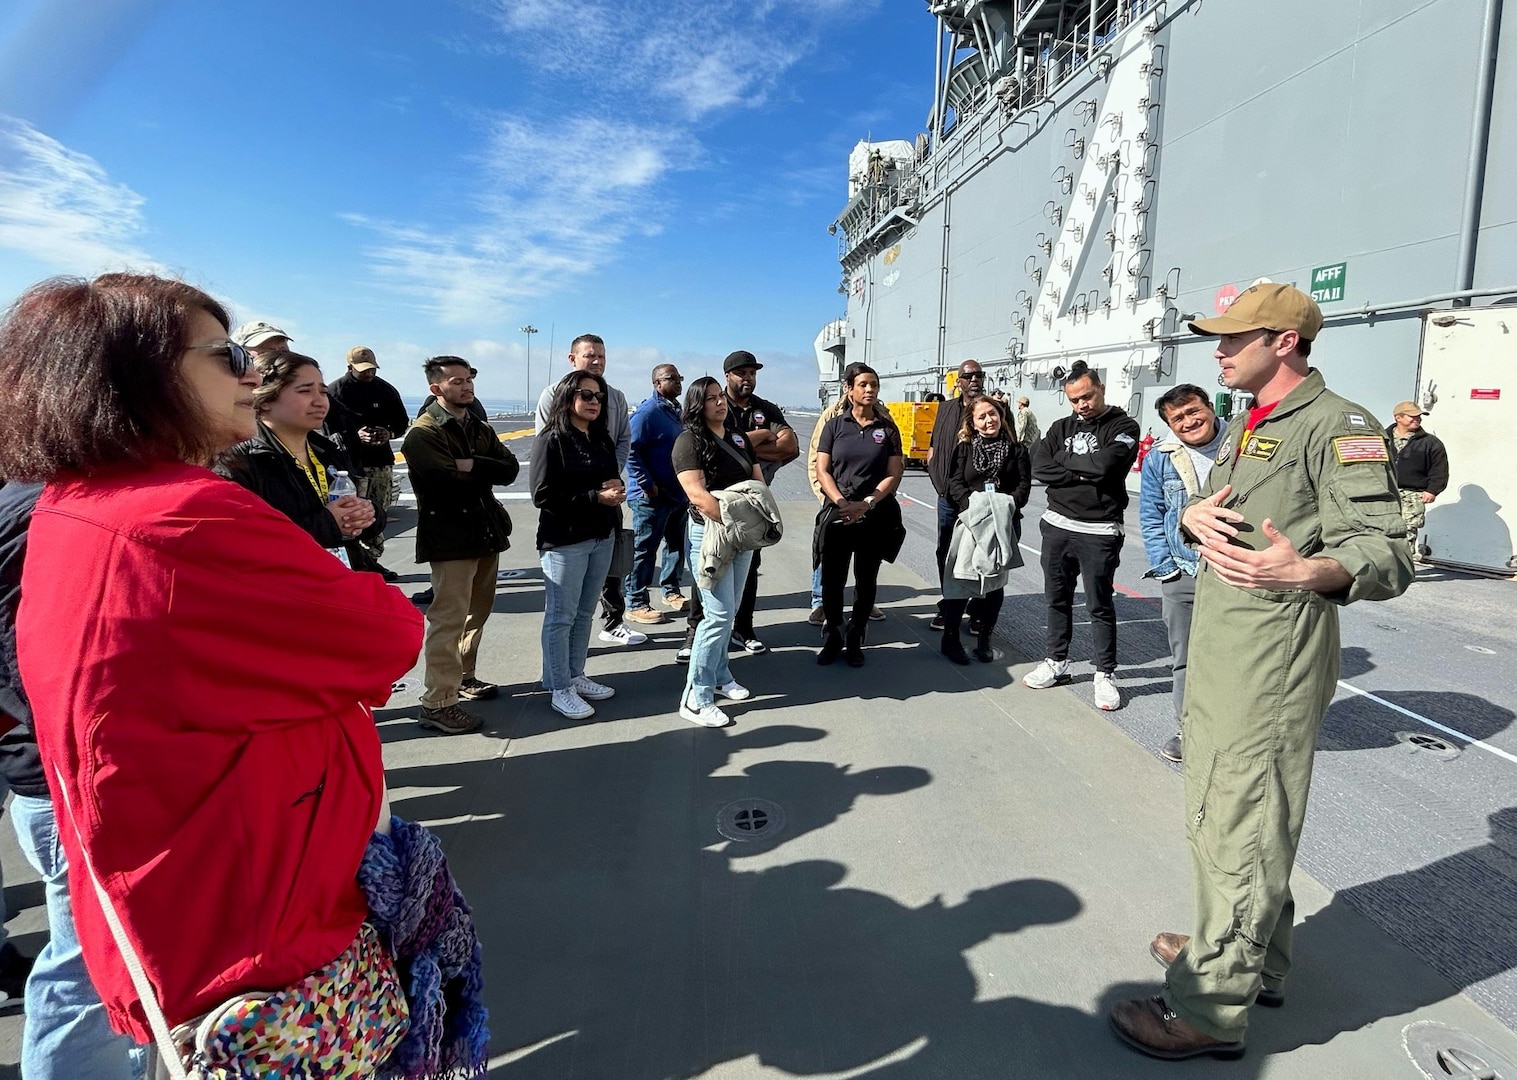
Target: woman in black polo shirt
859, 462
707, 457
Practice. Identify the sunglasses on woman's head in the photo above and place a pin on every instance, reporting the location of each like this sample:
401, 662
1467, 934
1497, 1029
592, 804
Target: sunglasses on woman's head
238, 360
590, 395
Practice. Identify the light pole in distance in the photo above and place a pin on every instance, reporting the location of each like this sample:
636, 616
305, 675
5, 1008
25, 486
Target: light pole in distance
529, 330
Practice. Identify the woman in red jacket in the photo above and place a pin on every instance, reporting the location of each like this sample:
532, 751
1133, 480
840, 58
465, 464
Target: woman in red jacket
201, 674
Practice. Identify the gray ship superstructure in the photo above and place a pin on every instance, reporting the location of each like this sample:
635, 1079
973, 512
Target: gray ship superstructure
1093, 173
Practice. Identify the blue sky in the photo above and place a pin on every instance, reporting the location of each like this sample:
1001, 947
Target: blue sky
426, 177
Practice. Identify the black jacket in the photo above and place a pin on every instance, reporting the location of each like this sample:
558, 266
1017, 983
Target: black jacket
568, 470
1423, 464
457, 515
1014, 479
269, 471
20, 764
372, 404
1085, 464
945, 435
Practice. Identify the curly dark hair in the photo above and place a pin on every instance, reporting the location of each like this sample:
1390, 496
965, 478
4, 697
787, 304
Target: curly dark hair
90, 376
561, 408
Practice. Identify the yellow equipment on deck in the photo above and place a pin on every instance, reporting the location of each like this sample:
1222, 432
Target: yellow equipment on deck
915, 420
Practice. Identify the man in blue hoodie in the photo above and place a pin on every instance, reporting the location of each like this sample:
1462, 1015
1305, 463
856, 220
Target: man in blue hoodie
655, 497
1174, 471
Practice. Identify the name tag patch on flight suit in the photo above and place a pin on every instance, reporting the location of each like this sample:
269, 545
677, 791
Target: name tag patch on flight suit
1259, 448
1352, 448
1357, 420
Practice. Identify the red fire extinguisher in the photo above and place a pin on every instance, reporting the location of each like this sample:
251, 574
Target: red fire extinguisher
1145, 444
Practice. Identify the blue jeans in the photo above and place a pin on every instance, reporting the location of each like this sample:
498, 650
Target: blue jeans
653, 522
816, 587
66, 1034
708, 652
573, 575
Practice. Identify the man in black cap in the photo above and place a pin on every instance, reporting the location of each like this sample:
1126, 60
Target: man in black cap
377, 416
774, 443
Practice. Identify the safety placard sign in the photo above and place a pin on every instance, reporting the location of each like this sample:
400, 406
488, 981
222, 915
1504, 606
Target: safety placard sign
1328, 282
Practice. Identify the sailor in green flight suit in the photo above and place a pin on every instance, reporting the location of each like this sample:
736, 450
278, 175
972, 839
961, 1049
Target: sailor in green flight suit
1300, 515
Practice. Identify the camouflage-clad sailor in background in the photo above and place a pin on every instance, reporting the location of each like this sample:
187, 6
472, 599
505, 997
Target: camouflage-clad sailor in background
1300, 515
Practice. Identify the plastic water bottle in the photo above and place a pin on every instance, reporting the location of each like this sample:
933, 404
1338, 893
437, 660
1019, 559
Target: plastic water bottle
341, 485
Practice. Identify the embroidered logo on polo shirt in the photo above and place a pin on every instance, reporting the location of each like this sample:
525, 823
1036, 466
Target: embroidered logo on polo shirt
879, 436
737, 440
1352, 448
1259, 448
758, 419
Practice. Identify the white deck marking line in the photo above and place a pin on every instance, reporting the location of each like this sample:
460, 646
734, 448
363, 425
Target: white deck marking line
919, 502
1430, 723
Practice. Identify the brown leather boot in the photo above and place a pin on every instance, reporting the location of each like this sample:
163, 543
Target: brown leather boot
1167, 946
1150, 1027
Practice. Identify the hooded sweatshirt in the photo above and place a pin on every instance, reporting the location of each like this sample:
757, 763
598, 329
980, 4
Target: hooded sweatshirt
1085, 465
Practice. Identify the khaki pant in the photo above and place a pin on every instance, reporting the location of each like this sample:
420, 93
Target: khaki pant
463, 592
1414, 513
1261, 675
376, 486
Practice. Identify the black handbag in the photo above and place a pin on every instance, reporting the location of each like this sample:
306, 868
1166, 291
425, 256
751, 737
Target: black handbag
621, 555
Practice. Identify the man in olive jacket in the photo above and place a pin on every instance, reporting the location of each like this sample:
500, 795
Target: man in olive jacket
1299, 516
454, 461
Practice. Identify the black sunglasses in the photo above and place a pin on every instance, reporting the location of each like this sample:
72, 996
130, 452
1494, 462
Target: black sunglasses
238, 359
590, 395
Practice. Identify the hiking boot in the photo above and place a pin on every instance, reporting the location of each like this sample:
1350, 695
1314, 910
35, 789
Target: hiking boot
591, 690
450, 720
1149, 1026
1108, 697
472, 689
622, 634
675, 601
571, 705
646, 615
1048, 673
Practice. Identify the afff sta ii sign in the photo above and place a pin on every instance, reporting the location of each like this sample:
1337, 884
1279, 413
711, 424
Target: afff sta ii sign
1328, 282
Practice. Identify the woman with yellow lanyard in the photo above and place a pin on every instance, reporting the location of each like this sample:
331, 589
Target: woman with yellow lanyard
288, 462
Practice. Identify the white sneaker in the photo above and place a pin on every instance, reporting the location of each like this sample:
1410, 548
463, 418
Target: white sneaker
1048, 673
591, 690
734, 691
571, 705
1108, 697
622, 635
705, 716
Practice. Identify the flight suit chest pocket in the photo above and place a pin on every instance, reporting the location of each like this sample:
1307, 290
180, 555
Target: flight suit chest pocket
1227, 818
1365, 498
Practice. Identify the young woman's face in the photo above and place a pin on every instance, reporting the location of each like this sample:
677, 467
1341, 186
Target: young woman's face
587, 400
865, 390
715, 405
302, 405
225, 400
987, 418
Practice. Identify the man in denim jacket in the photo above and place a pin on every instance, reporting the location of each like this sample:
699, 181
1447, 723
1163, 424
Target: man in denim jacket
1173, 472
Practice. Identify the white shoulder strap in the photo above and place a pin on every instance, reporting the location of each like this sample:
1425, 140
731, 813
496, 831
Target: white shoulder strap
166, 1048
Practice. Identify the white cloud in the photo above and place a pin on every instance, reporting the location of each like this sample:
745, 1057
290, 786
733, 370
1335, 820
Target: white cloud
702, 56
61, 208
554, 201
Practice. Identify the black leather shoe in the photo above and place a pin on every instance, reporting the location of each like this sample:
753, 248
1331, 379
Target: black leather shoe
832, 645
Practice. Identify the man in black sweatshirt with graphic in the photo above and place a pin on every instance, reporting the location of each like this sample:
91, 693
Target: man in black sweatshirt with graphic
1084, 459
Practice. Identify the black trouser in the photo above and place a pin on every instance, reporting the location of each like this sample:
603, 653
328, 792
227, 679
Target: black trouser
947, 515
742, 622
613, 602
862, 544
983, 609
1093, 559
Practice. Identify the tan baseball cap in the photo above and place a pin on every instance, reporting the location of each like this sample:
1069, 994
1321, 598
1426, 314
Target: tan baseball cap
253, 334
361, 358
1266, 306
1407, 408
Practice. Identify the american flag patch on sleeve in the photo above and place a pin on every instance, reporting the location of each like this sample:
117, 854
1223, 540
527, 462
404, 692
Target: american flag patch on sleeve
1351, 448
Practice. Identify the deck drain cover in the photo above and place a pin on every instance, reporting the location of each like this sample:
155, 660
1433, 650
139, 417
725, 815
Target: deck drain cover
1430, 744
750, 819
510, 575
1442, 1052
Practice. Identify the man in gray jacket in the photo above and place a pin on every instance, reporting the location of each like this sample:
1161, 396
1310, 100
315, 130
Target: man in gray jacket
588, 353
